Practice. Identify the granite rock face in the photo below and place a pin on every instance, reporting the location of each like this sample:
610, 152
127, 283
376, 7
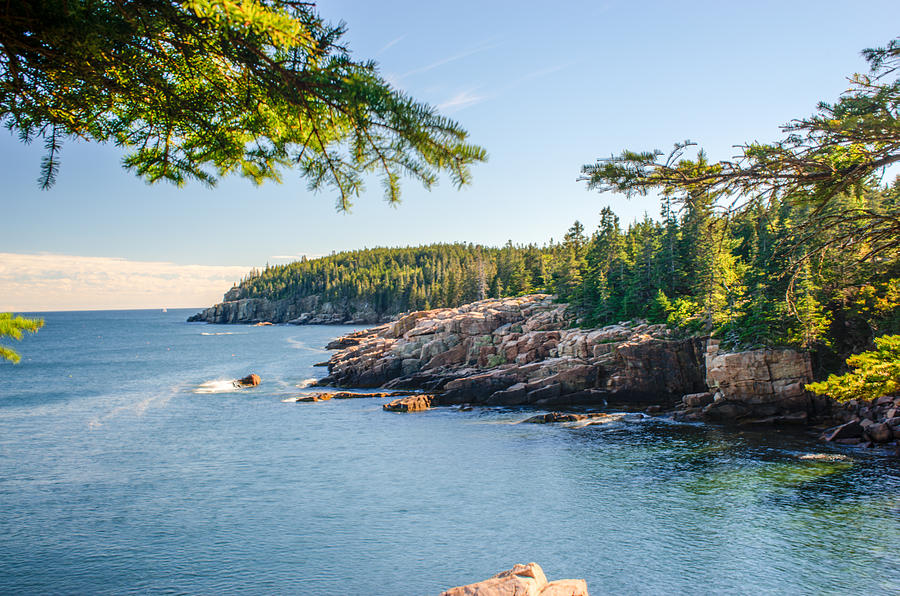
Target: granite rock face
521, 351
305, 311
764, 386
521, 580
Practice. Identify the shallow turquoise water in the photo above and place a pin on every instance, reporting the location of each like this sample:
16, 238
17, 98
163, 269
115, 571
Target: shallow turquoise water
117, 477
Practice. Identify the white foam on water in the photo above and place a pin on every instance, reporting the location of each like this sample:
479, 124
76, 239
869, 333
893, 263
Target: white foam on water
217, 386
222, 333
137, 408
301, 345
306, 383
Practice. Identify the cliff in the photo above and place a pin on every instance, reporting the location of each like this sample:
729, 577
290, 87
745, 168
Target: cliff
309, 310
524, 351
521, 351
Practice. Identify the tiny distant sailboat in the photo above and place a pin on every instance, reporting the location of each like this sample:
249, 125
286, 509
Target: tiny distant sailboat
164, 309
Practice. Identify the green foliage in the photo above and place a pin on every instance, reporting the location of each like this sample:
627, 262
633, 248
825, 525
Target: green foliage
394, 280
685, 314
876, 373
496, 360
200, 89
837, 152
659, 310
13, 327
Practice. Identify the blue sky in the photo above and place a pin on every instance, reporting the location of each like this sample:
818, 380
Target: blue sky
544, 87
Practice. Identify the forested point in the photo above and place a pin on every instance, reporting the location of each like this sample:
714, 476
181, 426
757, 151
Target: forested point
736, 276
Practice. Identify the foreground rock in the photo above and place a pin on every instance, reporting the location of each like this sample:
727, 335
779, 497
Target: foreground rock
521, 351
251, 380
521, 580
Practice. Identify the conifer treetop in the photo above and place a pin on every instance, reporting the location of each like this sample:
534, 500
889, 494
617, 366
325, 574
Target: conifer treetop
200, 89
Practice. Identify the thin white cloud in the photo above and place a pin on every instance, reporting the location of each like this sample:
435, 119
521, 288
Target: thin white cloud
461, 100
38, 282
391, 44
308, 255
481, 48
542, 73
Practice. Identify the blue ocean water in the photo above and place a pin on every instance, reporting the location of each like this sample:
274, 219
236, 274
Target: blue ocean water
124, 468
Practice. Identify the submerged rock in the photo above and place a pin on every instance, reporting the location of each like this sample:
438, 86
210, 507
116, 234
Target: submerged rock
561, 417
314, 397
521, 580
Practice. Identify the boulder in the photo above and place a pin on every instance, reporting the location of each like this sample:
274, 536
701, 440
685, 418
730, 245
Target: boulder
849, 430
726, 410
412, 403
251, 380
880, 432
697, 400
521, 580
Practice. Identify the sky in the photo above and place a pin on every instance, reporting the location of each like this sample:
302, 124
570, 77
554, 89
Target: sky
545, 88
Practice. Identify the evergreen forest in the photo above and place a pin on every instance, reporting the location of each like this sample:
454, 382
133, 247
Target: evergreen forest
776, 274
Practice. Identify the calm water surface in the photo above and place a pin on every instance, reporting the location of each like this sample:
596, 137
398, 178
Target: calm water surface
124, 468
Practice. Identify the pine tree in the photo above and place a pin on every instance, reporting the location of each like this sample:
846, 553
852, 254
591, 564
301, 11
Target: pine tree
13, 326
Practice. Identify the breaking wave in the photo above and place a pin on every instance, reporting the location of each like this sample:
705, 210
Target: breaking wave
218, 386
306, 383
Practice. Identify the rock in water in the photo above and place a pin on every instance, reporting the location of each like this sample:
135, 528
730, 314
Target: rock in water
251, 380
413, 403
521, 580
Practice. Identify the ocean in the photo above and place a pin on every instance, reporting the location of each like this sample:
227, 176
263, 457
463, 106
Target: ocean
129, 464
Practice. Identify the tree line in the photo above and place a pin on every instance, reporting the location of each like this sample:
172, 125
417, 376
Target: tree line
767, 275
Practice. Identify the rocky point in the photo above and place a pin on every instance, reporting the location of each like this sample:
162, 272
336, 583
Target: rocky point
520, 351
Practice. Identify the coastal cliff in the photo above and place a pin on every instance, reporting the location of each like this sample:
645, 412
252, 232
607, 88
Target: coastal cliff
521, 351
525, 352
308, 310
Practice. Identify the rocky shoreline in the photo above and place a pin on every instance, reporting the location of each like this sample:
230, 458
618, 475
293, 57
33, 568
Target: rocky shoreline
304, 311
525, 351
